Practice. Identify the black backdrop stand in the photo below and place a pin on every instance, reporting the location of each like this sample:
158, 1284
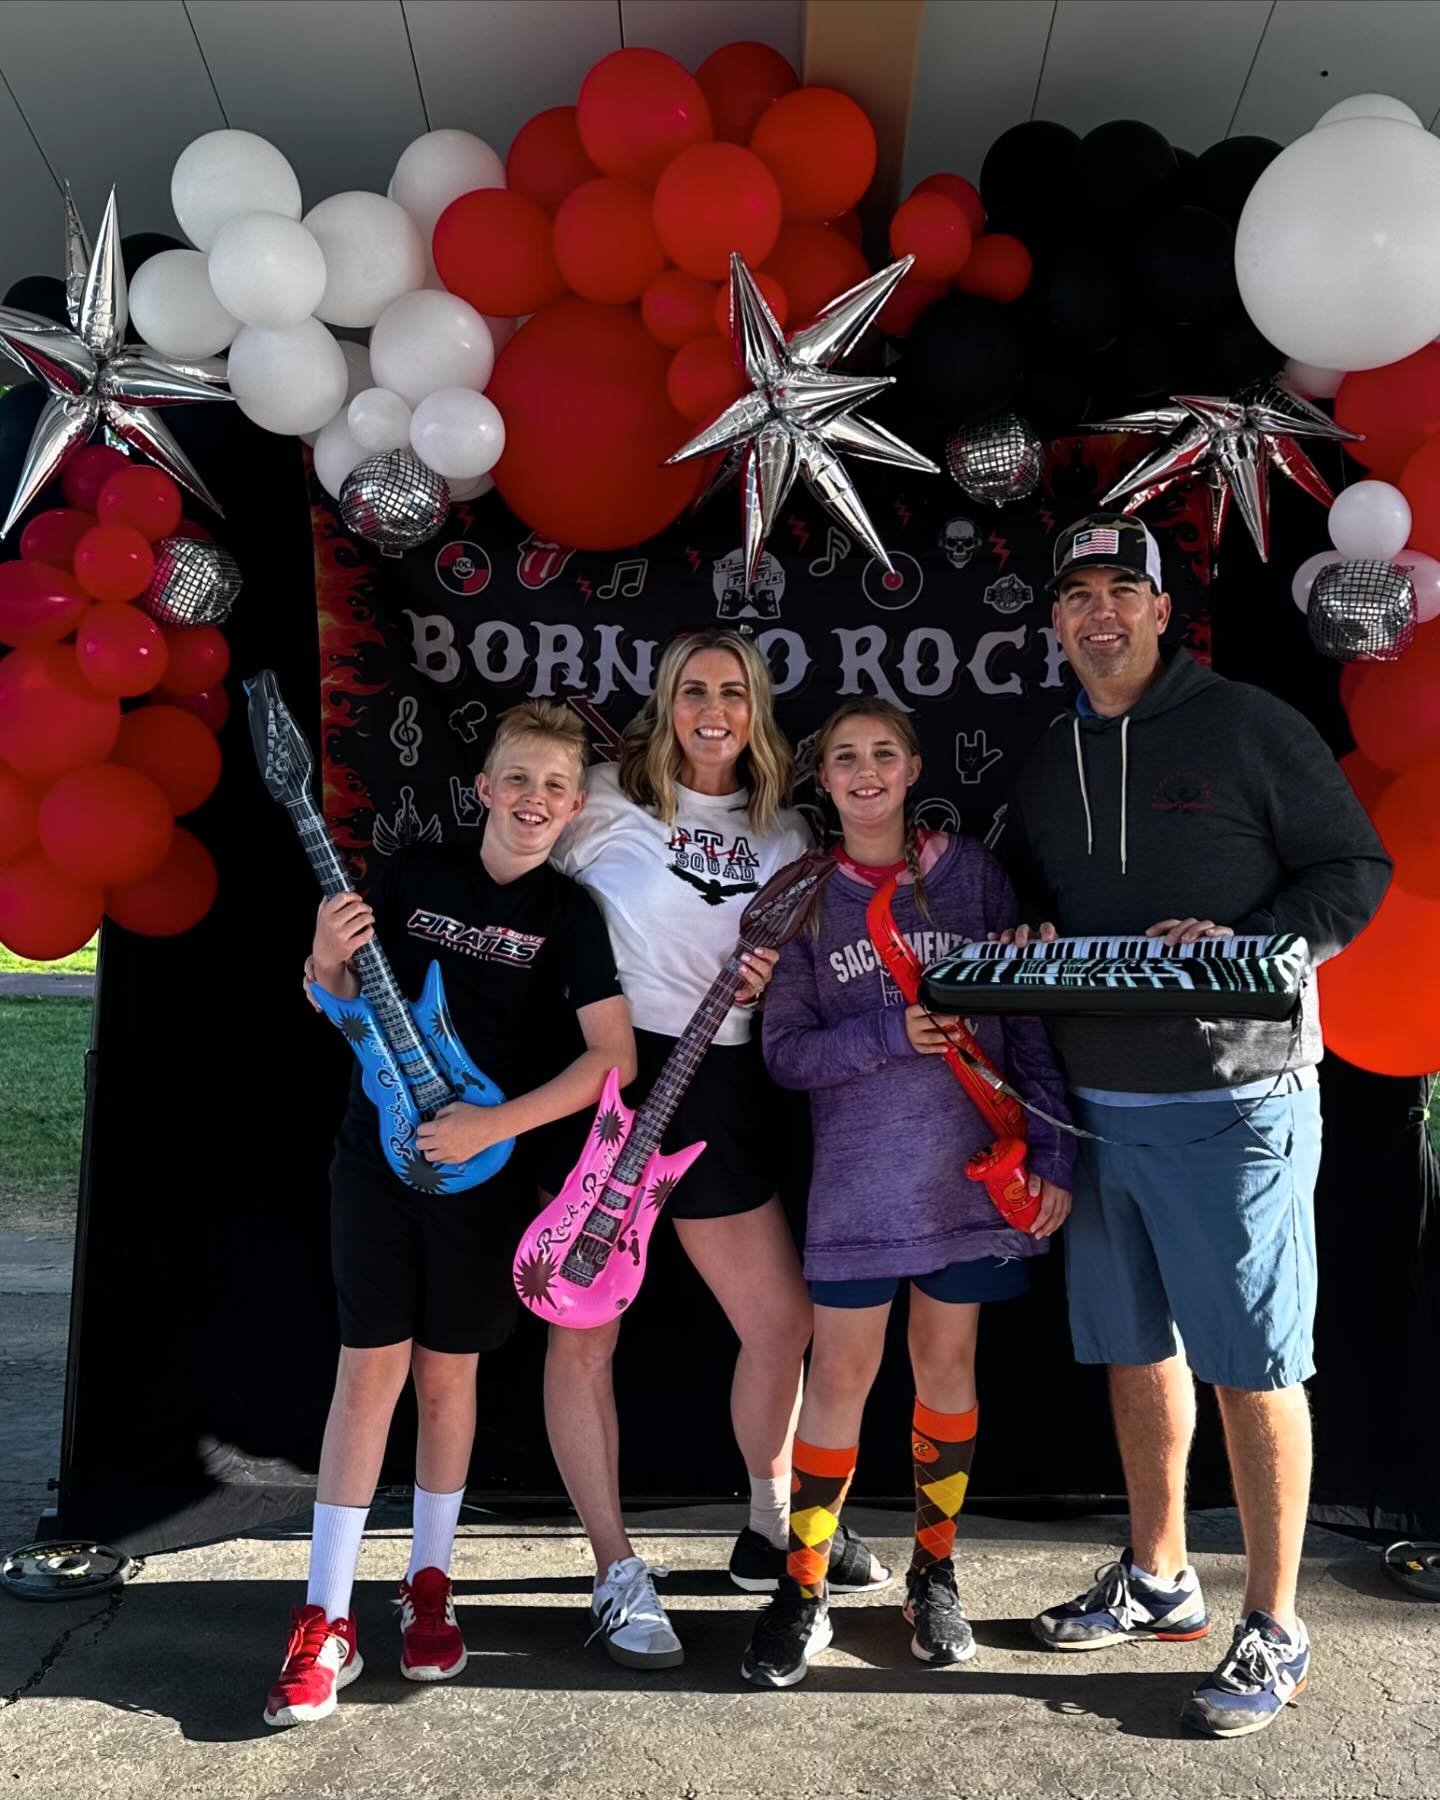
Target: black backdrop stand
203, 1338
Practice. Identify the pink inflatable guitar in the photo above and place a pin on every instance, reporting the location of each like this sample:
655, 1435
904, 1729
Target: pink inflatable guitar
582, 1261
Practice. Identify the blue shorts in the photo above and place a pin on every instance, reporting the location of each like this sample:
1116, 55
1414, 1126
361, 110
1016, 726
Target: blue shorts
962, 1284
1211, 1241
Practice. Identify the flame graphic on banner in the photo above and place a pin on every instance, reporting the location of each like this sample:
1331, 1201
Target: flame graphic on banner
347, 631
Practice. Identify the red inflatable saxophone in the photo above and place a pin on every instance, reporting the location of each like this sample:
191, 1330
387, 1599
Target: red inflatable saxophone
1001, 1168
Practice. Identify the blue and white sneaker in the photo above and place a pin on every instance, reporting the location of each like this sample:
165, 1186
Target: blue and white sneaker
1264, 1670
1123, 1607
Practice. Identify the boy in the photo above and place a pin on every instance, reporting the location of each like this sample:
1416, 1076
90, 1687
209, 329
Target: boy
423, 1280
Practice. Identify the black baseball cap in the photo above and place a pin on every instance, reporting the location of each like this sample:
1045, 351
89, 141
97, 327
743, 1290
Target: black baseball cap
1107, 540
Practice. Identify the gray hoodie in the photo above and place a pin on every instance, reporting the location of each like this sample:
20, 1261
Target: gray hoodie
1208, 799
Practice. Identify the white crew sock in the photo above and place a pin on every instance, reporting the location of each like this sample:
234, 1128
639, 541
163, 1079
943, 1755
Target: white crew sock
436, 1516
770, 1508
334, 1554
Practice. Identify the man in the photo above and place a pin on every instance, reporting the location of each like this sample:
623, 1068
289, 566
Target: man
1176, 804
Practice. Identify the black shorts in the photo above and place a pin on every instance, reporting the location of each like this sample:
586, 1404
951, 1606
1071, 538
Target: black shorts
731, 1103
432, 1267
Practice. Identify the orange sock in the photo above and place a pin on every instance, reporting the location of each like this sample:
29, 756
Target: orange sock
942, 1445
820, 1480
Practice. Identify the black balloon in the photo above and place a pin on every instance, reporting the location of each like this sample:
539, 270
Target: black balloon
1119, 170
140, 246
1022, 180
1235, 354
1058, 390
1186, 265
1087, 296
19, 409
1153, 360
43, 294
1225, 173
964, 358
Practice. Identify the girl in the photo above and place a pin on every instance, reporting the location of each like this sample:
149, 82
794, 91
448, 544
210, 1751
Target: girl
673, 843
888, 1199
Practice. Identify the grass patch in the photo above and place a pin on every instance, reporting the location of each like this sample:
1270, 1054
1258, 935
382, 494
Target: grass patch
42, 1076
79, 962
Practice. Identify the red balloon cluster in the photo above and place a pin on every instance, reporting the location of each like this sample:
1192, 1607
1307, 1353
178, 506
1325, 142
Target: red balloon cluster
633, 201
88, 795
942, 225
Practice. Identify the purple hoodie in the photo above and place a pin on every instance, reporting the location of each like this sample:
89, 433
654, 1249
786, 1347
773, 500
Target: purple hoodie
894, 1129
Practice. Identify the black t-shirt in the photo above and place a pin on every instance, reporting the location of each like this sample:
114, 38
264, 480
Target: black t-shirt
518, 959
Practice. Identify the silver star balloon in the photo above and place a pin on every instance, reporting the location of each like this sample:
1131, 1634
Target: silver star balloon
95, 383
1231, 444
798, 416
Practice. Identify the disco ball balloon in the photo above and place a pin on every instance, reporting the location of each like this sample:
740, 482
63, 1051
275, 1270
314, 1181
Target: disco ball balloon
394, 501
195, 583
1362, 611
996, 460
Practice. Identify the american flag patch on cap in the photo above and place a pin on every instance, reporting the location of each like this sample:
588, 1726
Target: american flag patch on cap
1099, 540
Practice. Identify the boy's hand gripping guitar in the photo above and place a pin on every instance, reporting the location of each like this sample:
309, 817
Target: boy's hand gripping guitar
1000, 1168
411, 1061
582, 1261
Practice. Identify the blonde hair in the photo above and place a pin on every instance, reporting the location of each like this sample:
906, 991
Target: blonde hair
540, 718
651, 758
898, 724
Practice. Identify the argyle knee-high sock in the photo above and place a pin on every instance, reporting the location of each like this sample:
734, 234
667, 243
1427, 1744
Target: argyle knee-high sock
819, 1483
942, 1445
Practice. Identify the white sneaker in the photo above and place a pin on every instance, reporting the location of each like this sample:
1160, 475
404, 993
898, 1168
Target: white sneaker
627, 1610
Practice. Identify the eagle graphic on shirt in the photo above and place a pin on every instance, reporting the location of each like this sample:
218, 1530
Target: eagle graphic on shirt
717, 869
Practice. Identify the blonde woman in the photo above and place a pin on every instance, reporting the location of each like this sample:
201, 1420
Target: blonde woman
673, 843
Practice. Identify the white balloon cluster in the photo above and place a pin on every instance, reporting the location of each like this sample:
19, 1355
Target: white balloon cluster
267, 284
1370, 522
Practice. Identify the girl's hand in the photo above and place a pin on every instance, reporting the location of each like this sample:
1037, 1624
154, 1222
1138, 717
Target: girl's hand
343, 925
460, 1131
1054, 1207
759, 966
924, 1030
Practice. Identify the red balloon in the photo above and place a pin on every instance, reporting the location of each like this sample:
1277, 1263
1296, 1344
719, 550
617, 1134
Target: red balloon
814, 264
211, 706
547, 160
703, 380
1394, 709
820, 147
86, 473
932, 229
1420, 484
714, 199
1368, 781
677, 307
964, 193
998, 266
775, 298
42, 914
199, 658
19, 803
1380, 998
849, 226
189, 529
120, 650
51, 537
739, 81
176, 897
39, 604
114, 562
906, 304
605, 242
587, 428
105, 824
637, 109
172, 748
1397, 408
143, 497
51, 719
493, 248
1408, 820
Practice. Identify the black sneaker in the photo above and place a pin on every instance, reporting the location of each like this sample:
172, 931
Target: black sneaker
932, 1606
788, 1633
758, 1567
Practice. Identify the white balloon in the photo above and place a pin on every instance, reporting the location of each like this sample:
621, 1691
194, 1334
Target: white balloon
373, 255
267, 270
1370, 520
1338, 249
458, 433
224, 174
1314, 384
439, 168
1369, 106
288, 381
379, 420
173, 306
473, 489
429, 340
336, 454
357, 376
1424, 574
1304, 577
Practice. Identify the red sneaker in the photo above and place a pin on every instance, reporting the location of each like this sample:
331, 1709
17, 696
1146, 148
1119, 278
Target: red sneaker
321, 1659
432, 1648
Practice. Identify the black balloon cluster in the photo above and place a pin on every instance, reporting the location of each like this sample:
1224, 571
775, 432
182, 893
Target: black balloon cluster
1134, 295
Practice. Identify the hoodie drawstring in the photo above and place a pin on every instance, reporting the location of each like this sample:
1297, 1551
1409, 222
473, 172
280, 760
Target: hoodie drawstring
1124, 782
1084, 796
1124, 785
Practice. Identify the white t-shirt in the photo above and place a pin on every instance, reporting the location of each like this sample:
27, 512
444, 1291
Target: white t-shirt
672, 895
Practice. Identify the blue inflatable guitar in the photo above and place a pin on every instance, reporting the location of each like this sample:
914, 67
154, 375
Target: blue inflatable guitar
410, 1059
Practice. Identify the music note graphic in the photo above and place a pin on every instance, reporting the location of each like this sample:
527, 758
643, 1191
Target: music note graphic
405, 733
627, 579
837, 547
